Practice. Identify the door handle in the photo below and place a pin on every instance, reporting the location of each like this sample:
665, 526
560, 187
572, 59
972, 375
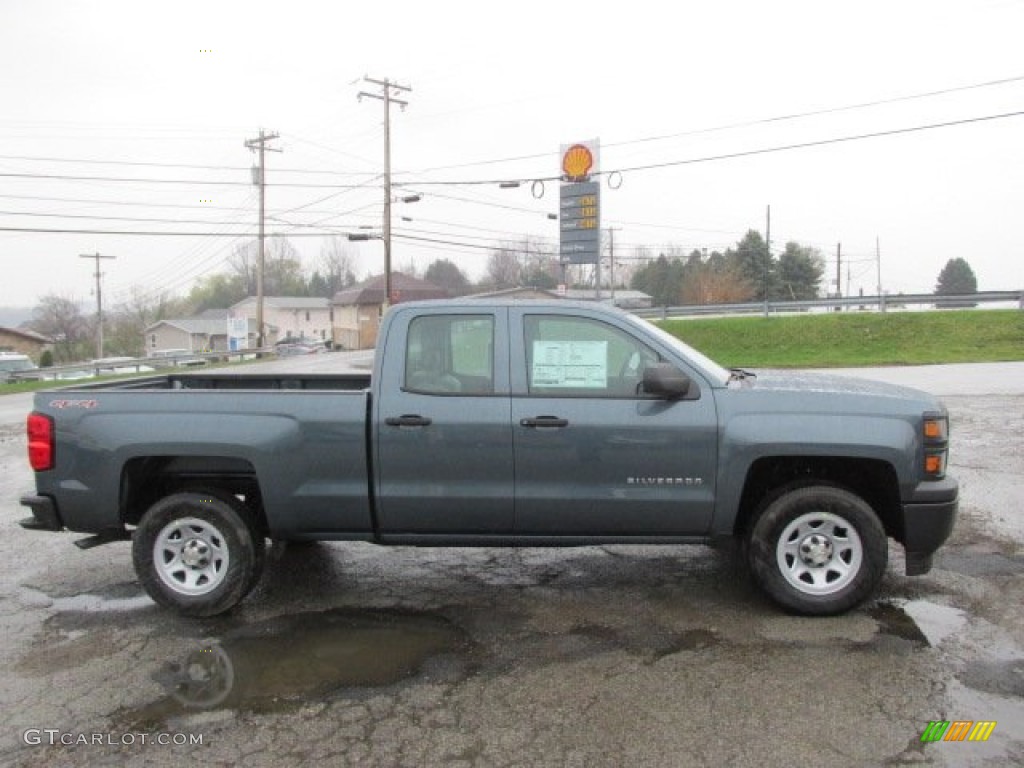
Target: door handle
408, 420
544, 421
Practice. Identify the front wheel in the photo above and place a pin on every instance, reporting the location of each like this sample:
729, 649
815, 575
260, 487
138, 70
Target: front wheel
818, 550
194, 552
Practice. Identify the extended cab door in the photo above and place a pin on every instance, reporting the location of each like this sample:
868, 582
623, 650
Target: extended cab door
593, 454
442, 426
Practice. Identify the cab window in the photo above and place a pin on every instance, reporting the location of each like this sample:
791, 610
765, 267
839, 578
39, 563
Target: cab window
450, 354
577, 356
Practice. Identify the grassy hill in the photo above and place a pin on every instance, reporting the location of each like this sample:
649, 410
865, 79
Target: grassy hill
852, 339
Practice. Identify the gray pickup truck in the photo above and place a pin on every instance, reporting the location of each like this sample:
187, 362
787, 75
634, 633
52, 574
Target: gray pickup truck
500, 424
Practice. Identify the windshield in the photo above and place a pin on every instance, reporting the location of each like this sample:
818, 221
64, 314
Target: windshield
717, 373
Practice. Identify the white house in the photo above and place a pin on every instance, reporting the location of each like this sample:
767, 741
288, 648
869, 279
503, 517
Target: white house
291, 316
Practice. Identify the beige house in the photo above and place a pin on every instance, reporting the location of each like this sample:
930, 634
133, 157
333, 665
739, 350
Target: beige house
289, 316
206, 332
23, 342
358, 310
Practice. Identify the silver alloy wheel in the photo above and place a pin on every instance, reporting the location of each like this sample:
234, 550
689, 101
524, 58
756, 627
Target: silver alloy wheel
819, 553
190, 556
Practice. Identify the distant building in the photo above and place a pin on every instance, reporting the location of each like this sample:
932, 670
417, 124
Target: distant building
624, 299
23, 341
357, 310
523, 293
205, 332
291, 316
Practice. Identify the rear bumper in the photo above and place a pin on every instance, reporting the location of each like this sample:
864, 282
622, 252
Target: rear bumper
44, 514
928, 517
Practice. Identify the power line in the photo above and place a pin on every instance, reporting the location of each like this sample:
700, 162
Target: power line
154, 233
93, 201
726, 156
185, 166
150, 180
818, 143
745, 124
118, 218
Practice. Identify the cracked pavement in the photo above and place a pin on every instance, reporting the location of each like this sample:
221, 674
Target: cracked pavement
350, 654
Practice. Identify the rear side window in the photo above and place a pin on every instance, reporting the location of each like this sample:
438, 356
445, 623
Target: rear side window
450, 355
577, 356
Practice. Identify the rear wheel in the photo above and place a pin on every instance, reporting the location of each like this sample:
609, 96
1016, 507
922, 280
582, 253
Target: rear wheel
195, 552
818, 550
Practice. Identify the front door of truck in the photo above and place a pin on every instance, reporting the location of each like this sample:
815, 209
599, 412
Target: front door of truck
442, 426
594, 455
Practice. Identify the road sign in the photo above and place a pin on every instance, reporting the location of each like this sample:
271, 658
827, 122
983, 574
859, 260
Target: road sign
580, 222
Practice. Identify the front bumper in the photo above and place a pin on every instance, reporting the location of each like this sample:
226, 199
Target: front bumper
928, 517
45, 516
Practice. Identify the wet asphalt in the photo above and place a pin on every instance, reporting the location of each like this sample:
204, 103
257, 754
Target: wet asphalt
350, 654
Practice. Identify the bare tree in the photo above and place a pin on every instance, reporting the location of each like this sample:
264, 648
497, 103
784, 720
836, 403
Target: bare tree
128, 321
503, 267
61, 318
282, 267
337, 264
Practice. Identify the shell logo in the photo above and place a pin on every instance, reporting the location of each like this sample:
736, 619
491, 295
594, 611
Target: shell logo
577, 162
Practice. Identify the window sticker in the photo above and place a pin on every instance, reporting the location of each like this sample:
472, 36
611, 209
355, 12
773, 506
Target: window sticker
570, 364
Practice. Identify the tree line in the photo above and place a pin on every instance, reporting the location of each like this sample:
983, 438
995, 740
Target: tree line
740, 274
744, 273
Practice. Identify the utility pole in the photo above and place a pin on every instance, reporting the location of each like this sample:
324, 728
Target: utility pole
99, 299
260, 145
385, 95
878, 263
839, 275
767, 254
611, 259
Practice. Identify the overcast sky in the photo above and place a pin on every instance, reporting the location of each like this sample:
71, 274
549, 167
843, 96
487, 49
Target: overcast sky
141, 90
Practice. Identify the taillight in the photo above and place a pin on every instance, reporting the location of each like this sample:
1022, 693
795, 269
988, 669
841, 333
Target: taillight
40, 442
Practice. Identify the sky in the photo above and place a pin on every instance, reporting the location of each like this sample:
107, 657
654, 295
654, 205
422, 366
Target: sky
131, 117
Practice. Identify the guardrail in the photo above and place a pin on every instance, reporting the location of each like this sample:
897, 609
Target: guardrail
72, 372
879, 303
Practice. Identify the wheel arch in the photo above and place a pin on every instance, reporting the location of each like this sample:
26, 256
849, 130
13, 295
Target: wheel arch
146, 479
873, 480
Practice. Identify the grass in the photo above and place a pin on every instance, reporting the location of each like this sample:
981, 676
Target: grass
851, 339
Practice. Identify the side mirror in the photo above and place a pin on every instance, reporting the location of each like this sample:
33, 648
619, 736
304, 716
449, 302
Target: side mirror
665, 380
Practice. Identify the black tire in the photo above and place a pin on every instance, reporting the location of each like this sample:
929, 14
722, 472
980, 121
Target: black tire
818, 550
194, 551
258, 539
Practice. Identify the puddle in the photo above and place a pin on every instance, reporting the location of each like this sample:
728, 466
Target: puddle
920, 622
936, 622
304, 658
894, 622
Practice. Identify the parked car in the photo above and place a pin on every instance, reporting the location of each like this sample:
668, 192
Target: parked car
13, 363
290, 346
164, 358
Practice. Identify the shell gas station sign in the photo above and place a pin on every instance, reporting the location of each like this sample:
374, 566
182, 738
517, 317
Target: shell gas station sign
579, 204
